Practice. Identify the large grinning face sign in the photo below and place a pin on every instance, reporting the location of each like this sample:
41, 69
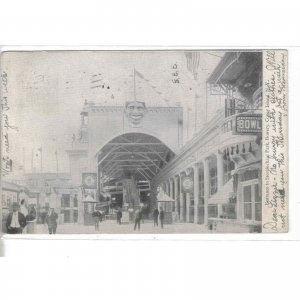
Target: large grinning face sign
135, 112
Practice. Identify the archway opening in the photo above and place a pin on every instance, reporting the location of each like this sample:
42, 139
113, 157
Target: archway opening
126, 166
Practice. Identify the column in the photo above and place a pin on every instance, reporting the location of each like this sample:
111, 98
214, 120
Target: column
220, 174
196, 192
176, 194
239, 200
181, 203
171, 189
171, 194
220, 170
188, 202
206, 189
168, 188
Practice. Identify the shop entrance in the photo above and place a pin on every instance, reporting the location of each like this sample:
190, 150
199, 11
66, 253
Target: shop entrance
132, 160
251, 194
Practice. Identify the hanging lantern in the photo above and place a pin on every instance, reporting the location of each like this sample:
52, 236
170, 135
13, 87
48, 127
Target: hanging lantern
243, 150
250, 148
237, 149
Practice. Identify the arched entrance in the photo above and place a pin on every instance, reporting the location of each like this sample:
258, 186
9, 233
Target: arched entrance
126, 166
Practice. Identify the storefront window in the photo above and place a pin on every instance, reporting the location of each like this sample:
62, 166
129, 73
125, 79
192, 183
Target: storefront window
213, 181
252, 202
257, 203
65, 200
247, 203
201, 188
228, 166
229, 209
75, 201
212, 211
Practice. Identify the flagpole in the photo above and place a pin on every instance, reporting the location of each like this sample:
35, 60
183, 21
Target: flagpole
56, 163
196, 113
31, 160
41, 160
134, 87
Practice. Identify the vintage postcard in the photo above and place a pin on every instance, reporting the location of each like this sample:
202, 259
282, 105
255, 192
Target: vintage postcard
151, 142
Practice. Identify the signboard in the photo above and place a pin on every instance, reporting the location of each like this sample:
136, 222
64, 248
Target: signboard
187, 184
89, 180
100, 205
249, 124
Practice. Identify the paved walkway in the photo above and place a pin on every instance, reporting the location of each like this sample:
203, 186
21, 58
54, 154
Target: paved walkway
111, 227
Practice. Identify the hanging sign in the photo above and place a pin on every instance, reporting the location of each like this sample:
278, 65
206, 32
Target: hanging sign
249, 124
187, 184
89, 180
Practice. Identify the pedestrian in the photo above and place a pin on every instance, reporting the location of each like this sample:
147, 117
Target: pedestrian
96, 217
101, 214
155, 216
23, 208
161, 217
31, 216
31, 219
119, 216
137, 219
51, 220
15, 221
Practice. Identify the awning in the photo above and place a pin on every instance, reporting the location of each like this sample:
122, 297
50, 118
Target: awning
89, 199
249, 167
222, 196
102, 204
226, 62
163, 197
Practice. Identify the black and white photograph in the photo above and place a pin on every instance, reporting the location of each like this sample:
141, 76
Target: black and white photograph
150, 142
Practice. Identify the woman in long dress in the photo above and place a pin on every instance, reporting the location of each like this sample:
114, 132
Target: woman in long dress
24, 211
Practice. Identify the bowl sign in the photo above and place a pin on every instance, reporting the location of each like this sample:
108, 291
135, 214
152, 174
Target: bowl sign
249, 124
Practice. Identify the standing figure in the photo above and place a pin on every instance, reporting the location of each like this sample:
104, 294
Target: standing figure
155, 216
137, 219
15, 221
23, 208
51, 220
119, 216
96, 217
161, 217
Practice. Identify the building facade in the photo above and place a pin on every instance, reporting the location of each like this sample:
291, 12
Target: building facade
216, 178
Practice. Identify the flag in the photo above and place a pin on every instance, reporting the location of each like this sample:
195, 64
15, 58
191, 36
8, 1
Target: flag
193, 61
137, 73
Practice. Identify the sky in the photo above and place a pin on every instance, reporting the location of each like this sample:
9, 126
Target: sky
47, 90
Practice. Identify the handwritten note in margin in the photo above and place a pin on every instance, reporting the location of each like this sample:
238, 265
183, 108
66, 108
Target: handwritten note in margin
275, 142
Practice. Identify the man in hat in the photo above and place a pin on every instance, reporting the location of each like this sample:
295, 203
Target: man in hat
15, 221
51, 220
161, 217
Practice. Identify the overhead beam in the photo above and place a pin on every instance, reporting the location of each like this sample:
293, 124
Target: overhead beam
135, 144
135, 160
148, 177
144, 176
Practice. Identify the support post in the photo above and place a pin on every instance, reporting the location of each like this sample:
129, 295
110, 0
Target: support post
206, 190
196, 192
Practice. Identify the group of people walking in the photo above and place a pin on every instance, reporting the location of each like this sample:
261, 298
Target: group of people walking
157, 214
21, 216
22, 219
137, 217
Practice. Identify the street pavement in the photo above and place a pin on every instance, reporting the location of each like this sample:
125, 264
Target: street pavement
111, 227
